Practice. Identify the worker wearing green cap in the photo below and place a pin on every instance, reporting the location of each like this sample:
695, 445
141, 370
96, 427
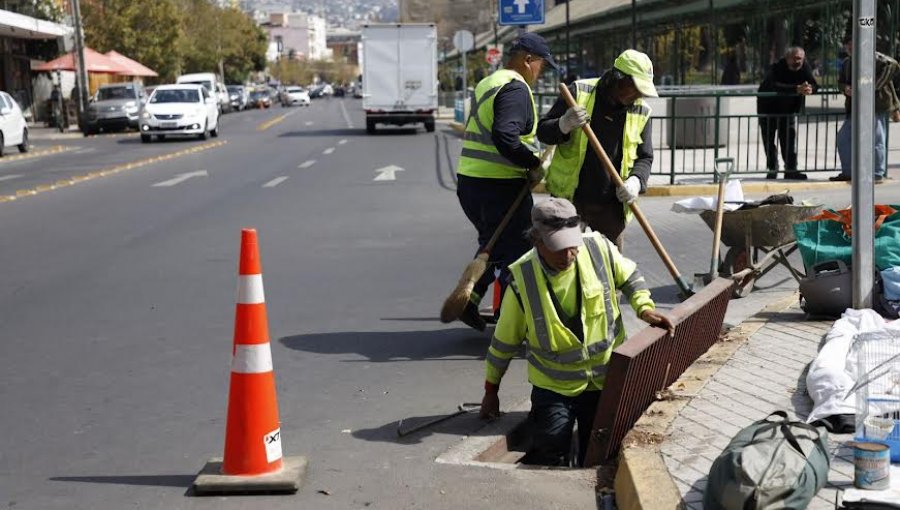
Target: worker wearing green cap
613, 105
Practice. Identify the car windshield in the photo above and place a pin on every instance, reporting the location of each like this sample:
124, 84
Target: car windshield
205, 83
115, 93
258, 93
234, 90
294, 90
176, 96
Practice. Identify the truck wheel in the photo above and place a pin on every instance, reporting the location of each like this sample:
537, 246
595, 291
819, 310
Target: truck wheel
429, 125
370, 127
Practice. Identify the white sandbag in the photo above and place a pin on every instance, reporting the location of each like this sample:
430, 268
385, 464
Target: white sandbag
833, 373
734, 192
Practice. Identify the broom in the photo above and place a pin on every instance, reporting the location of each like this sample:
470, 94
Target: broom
456, 302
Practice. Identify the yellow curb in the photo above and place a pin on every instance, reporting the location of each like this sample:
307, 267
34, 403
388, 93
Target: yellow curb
643, 479
40, 188
458, 127
269, 123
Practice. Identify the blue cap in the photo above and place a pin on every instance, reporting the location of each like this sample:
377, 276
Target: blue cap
536, 45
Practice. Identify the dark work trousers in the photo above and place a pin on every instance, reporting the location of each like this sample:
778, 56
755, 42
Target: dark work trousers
485, 202
554, 417
608, 219
785, 128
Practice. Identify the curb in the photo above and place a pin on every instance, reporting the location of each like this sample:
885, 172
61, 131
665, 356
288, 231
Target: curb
643, 480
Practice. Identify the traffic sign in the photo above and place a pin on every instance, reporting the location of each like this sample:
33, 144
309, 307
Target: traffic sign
521, 12
492, 56
463, 40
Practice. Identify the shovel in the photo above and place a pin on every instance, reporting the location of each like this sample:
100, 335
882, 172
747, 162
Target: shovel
703, 279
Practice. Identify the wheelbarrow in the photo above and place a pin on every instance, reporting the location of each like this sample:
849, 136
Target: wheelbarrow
758, 240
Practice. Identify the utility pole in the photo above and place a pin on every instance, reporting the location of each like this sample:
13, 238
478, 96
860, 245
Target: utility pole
863, 157
81, 82
634, 24
568, 50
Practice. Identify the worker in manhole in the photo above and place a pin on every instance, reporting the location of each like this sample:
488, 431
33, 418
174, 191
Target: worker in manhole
562, 303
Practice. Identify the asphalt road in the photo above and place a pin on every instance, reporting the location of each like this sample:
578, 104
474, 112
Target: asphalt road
117, 302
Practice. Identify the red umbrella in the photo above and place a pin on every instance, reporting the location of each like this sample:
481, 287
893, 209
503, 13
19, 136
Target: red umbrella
136, 68
94, 62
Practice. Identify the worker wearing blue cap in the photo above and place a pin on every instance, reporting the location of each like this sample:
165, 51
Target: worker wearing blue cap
498, 157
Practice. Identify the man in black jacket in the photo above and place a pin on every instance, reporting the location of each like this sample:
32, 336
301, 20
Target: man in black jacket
792, 79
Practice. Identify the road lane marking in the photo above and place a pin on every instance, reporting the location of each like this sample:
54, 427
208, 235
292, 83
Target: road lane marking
328, 150
62, 183
308, 123
387, 173
275, 182
307, 164
342, 141
8, 177
346, 116
181, 178
271, 122
55, 149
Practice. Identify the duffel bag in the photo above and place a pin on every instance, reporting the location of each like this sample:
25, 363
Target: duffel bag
774, 463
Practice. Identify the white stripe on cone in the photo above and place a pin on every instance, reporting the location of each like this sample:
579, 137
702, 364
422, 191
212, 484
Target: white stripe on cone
250, 290
252, 359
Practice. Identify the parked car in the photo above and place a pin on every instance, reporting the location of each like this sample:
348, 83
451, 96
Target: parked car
224, 98
260, 98
183, 109
238, 96
294, 95
115, 106
13, 128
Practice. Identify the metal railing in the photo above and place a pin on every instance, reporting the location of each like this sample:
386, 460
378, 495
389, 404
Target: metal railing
691, 129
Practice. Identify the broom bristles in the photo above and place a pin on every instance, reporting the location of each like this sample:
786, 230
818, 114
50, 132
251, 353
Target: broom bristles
456, 302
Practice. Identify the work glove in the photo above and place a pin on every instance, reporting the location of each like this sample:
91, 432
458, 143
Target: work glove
537, 174
575, 117
629, 190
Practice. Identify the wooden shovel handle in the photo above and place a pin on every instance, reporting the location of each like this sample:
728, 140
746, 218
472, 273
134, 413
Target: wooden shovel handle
617, 180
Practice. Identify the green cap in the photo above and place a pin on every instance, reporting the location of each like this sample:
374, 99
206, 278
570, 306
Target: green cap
640, 68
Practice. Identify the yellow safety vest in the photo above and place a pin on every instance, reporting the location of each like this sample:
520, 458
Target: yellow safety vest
479, 156
562, 176
557, 360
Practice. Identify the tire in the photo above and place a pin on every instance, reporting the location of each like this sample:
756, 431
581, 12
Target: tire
205, 134
146, 138
370, 127
737, 259
215, 132
429, 125
2, 145
160, 138
23, 147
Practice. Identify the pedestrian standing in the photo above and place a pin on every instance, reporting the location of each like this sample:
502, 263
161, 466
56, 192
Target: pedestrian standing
563, 305
499, 157
614, 106
791, 79
886, 106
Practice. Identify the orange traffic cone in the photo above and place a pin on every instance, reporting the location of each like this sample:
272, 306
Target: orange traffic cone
253, 458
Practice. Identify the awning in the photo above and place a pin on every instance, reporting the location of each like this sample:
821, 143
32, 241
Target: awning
19, 26
136, 68
95, 62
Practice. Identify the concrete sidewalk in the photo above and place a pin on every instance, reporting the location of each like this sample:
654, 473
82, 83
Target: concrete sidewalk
759, 368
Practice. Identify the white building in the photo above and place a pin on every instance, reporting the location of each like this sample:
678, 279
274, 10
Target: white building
296, 35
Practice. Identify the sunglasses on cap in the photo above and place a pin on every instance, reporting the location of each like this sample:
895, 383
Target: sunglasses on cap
560, 223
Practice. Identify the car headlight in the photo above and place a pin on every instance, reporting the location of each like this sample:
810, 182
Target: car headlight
146, 115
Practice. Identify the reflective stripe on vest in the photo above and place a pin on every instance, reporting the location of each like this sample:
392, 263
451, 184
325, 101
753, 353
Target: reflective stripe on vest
613, 329
565, 375
562, 177
480, 158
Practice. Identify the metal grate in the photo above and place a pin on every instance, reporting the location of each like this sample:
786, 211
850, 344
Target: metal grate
651, 361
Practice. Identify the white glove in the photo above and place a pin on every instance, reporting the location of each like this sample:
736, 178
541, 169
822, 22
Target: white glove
575, 117
629, 190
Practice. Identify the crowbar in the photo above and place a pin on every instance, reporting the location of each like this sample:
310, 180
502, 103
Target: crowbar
464, 408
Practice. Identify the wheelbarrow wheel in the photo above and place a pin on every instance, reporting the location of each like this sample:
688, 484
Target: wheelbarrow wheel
736, 260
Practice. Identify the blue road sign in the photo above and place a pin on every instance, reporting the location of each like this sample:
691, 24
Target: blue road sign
521, 12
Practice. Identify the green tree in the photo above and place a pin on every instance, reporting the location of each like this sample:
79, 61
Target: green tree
228, 36
149, 32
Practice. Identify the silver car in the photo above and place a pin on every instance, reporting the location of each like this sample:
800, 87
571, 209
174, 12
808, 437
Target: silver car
115, 106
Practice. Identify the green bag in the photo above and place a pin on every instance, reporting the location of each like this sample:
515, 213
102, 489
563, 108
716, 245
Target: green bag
827, 237
772, 464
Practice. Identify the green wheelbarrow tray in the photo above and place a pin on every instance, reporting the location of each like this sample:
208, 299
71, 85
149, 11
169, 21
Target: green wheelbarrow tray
758, 239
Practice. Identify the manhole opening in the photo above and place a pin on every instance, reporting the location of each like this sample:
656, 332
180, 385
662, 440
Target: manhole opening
515, 445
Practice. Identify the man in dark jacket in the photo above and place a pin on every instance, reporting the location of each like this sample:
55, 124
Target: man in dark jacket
792, 79
618, 115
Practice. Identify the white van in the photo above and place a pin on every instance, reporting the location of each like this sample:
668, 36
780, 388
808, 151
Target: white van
211, 81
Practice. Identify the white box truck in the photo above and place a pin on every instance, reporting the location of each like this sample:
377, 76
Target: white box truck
399, 74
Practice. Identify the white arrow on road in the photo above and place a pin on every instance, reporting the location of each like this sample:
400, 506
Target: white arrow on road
387, 173
182, 177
